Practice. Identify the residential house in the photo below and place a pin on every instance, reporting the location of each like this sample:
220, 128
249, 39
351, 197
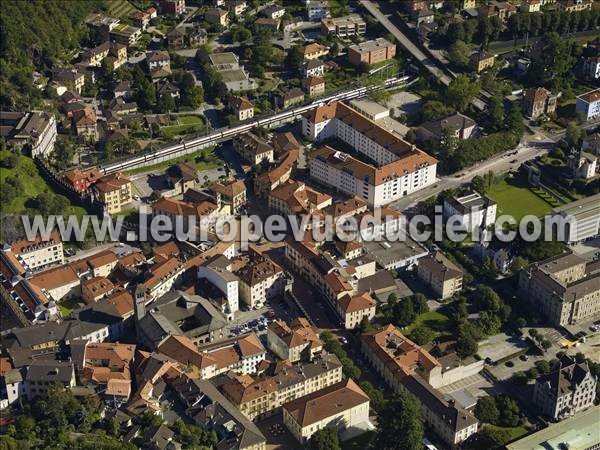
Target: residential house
591, 67
173, 7
268, 23
343, 406
582, 164
314, 85
253, 149
460, 126
588, 104
242, 107
291, 97
231, 193
574, 5
317, 9
95, 289
38, 253
569, 388
32, 131
313, 51
259, 398
538, 102
236, 7
182, 176
531, 6
217, 16
113, 191
71, 79
44, 374
298, 341
441, 274
141, 19
313, 67
84, 122
371, 52
273, 12
344, 27
295, 197
353, 308
176, 37
159, 64
191, 216
267, 181
125, 34
481, 61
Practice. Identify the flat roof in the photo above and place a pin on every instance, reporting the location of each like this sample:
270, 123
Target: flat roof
398, 251
576, 433
581, 208
233, 75
369, 46
223, 58
369, 107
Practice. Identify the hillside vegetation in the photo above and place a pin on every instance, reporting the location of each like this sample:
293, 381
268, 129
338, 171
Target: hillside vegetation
37, 36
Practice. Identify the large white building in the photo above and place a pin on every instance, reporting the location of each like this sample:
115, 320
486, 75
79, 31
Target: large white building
471, 211
217, 273
582, 219
399, 168
588, 104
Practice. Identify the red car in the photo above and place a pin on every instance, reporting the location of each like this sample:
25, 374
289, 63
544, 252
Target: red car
514, 161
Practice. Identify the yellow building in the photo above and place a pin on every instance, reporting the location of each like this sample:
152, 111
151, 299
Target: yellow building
481, 61
114, 191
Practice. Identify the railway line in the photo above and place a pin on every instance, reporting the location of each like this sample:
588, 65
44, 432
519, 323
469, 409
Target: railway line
224, 134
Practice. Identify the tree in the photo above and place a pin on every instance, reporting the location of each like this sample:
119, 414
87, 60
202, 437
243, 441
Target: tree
419, 302
458, 54
166, 103
403, 428
496, 113
325, 439
364, 325
466, 344
64, 152
573, 134
486, 410
10, 161
461, 92
375, 395
433, 110
514, 121
510, 414
478, 184
422, 335
404, 313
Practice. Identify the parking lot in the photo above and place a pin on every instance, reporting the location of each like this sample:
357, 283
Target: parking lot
500, 346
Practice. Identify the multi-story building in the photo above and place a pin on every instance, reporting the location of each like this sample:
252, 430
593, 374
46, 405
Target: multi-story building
253, 149
588, 104
162, 277
539, 101
405, 366
582, 164
115, 52
341, 406
267, 182
353, 308
218, 272
39, 253
85, 124
173, 7
242, 107
441, 274
582, 218
591, 66
347, 26
34, 131
44, 374
569, 388
114, 191
457, 124
371, 52
314, 85
297, 342
294, 197
125, 34
564, 288
258, 398
230, 193
317, 9
313, 67
313, 51
217, 16
71, 79
574, 5
471, 211
481, 61
81, 180
236, 7
260, 278
400, 168
531, 6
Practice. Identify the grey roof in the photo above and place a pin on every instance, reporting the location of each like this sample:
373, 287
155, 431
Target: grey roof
159, 436
455, 121
457, 418
566, 376
51, 371
313, 64
178, 313
472, 201
211, 410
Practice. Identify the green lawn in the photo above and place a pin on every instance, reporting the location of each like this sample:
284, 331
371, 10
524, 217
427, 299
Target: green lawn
508, 434
68, 305
209, 162
33, 184
517, 200
187, 124
438, 322
359, 442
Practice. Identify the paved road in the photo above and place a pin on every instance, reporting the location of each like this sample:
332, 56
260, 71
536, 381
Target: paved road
498, 164
425, 60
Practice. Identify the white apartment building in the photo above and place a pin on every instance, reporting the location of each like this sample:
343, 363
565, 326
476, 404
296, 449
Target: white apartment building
589, 104
317, 9
471, 210
400, 168
218, 274
582, 219
38, 254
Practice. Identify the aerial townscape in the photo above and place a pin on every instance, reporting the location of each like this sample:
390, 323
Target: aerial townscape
440, 158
